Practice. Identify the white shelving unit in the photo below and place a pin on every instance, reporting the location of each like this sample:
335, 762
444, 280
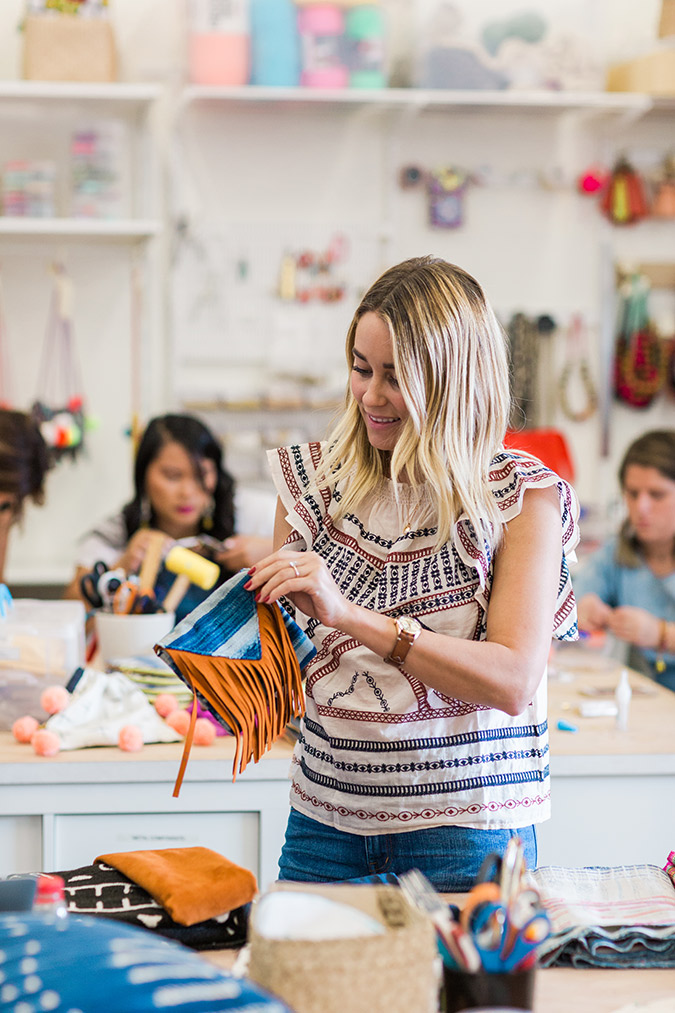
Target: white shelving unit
68, 101
117, 266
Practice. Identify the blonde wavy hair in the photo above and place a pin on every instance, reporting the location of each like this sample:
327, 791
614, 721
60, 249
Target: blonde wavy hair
451, 363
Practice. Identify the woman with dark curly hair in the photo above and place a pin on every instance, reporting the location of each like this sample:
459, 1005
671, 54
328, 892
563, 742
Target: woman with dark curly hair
182, 489
24, 462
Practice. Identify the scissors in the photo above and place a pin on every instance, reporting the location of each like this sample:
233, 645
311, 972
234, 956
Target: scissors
506, 937
108, 583
89, 584
124, 599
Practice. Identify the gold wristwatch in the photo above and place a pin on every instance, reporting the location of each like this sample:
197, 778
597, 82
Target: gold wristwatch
408, 630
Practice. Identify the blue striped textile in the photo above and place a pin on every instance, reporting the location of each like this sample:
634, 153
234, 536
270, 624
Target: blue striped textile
225, 625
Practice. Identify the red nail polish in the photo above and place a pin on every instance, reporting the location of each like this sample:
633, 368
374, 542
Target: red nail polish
247, 585
251, 572
257, 597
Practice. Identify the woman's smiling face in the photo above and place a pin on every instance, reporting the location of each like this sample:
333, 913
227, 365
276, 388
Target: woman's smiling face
374, 385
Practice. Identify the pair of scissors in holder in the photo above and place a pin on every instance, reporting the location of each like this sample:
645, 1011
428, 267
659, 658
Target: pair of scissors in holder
124, 599
507, 937
108, 583
89, 584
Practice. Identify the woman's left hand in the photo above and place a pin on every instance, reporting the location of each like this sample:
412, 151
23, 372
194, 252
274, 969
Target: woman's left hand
305, 579
243, 551
635, 626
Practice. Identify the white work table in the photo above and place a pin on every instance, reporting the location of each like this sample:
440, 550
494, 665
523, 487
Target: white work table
612, 793
61, 812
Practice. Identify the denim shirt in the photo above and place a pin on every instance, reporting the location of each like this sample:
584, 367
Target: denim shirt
636, 586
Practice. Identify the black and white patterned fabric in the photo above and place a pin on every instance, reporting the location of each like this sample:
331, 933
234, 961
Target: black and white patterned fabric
99, 889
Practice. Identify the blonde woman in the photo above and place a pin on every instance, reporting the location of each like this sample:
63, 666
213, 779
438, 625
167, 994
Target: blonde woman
429, 567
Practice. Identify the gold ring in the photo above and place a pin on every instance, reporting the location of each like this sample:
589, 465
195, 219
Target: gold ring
294, 567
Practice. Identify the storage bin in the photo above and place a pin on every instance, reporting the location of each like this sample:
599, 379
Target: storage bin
275, 43
321, 28
219, 42
41, 645
394, 972
65, 47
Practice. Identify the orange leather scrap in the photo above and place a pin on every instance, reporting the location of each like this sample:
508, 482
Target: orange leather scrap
192, 884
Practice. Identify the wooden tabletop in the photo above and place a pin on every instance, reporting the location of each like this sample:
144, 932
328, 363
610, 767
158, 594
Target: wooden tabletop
651, 723
564, 989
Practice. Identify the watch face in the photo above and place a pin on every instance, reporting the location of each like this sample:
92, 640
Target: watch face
408, 624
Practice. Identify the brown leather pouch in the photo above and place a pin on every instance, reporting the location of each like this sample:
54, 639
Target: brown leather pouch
192, 884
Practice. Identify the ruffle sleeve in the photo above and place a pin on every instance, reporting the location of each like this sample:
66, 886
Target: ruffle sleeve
294, 472
510, 475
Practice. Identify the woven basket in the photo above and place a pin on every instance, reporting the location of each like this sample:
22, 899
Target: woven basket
65, 47
391, 973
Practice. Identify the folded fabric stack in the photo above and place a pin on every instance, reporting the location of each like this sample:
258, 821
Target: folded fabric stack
153, 677
621, 916
191, 895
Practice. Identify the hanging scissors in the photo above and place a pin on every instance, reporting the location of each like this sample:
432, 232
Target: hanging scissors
89, 584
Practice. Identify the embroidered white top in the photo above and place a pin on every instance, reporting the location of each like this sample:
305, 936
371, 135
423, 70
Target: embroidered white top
380, 751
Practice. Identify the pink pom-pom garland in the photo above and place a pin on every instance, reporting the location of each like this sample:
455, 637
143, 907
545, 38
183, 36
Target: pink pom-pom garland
25, 728
130, 739
205, 732
54, 699
166, 704
45, 743
179, 721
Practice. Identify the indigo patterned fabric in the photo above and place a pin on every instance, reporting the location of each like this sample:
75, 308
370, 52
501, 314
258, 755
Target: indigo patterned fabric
379, 751
92, 965
226, 626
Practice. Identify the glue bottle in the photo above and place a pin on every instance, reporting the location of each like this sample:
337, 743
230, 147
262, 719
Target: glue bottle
50, 896
623, 695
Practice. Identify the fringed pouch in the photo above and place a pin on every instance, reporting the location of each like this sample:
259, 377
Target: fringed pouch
243, 661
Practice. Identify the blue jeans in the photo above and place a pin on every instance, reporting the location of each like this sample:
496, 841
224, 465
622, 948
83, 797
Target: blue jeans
449, 857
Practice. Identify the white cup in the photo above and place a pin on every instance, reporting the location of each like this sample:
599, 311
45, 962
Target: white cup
130, 636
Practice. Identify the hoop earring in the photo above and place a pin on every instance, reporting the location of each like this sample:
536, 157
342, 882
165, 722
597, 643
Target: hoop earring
146, 512
207, 518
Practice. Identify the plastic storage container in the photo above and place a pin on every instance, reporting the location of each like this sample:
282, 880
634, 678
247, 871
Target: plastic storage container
364, 31
41, 645
219, 42
321, 28
275, 43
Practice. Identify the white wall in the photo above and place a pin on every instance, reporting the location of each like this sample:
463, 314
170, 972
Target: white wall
534, 250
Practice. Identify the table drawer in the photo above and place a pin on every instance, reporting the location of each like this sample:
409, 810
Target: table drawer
78, 839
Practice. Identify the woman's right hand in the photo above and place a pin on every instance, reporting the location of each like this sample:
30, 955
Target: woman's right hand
305, 579
132, 558
593, 614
